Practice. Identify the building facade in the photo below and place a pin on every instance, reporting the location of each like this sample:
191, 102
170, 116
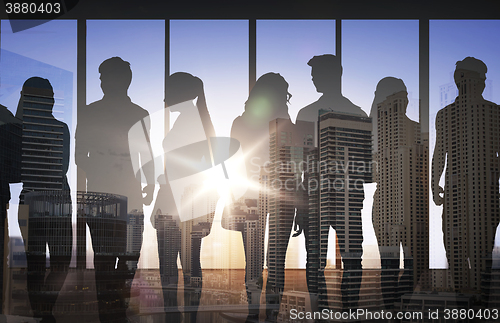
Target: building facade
289, 145
345, 161
468, 142
400, 205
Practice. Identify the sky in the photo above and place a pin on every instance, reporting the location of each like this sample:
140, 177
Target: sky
216, 51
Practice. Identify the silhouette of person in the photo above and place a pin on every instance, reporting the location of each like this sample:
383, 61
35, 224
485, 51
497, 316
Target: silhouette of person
468, 142
10, 169
193, 125
45, 162
102, 152
267, 101
397, 155
326, 72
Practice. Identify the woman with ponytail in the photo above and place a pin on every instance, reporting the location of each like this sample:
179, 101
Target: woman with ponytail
175, 225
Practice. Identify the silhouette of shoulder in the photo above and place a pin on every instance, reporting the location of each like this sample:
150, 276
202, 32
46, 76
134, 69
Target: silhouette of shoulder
6, 116
236, 127
104, 124
122, 108
342, 104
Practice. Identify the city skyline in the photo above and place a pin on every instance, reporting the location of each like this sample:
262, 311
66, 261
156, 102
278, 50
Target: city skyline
219, 52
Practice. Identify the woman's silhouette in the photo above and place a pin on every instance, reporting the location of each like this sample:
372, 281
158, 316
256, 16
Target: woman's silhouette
193, 125
267, 101
46, 147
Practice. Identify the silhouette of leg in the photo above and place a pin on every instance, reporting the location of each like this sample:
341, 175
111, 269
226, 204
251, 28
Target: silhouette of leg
59, 241
405, 283
192, 297
351, 280
448, 248
389, 278
168, 248
276, 276
252, 290
3, 240
35, 257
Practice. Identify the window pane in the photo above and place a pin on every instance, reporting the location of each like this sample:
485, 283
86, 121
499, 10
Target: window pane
285, 47
216, 51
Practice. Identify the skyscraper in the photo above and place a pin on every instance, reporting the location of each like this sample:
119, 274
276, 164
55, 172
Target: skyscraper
199, 208
10, 170
44, 164
345, 161
245, 218
468, 142
400, 211
169, 240
45, 147
289, 145
135, 227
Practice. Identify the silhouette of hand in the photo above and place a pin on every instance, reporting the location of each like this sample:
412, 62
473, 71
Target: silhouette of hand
298, 230
148, 190
438, 199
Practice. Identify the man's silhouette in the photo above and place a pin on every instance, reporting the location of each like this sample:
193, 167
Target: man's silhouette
10, 169
45, 162
468, 141
326, 72
102, 152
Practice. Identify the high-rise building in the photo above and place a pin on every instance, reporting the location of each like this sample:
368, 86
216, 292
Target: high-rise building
467, 142
45, 153
135, 227
448, 92
254, 250
310, 225
345, 161
169, 241
199, 231
246, 219
400, 206
263, 209
289, 145
45, 140
200, 208
10, 172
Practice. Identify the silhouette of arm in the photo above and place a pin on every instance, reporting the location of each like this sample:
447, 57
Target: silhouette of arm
148, 168
66, 147
438, 161
81, 154
300, 115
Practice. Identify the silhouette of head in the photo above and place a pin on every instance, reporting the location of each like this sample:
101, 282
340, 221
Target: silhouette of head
326, 73
385, 87
35, 86
268, 98
470, 67
116, 76
38, 85
181, 87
